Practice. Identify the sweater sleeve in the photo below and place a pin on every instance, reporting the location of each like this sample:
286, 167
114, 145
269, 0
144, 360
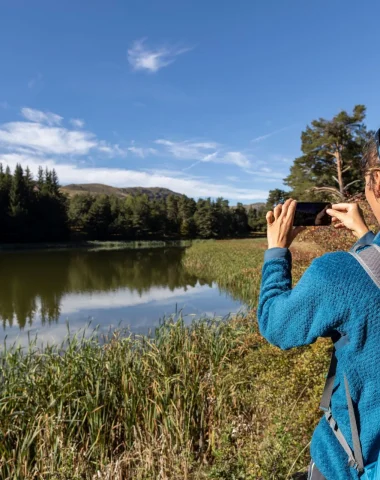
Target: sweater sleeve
291, 317
366, 239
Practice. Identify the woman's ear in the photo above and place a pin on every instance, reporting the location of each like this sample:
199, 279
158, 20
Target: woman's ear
376, 174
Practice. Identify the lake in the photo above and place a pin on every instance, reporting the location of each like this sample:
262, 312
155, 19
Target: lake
41, 291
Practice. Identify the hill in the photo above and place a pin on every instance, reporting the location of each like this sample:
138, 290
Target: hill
98, 189
153, 192
257, 205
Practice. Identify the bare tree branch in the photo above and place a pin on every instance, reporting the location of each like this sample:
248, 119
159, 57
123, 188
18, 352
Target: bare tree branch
331, 190
351, 183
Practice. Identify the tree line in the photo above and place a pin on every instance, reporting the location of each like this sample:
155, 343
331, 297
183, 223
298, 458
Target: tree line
34, 210
139, 217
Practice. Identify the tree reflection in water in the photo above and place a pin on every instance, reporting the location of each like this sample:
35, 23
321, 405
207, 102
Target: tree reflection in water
33, 283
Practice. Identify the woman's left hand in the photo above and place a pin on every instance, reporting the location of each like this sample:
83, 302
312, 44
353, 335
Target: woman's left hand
280, 230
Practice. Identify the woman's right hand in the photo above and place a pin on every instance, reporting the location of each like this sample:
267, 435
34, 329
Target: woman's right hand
350, 216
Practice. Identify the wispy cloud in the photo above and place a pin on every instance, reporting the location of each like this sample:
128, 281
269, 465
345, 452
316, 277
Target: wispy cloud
142, 152
188, 150
35, 81
77, 122
141, 57
37, 116
204, 152
233, 158
261, 138
4, 105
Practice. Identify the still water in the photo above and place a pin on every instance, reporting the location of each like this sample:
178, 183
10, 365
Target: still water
41, 291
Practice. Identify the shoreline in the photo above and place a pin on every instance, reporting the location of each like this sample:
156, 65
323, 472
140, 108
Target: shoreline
96, 245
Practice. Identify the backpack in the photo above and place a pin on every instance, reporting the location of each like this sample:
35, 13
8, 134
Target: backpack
369, 258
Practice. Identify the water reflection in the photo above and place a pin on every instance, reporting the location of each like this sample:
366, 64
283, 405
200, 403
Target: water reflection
38, 290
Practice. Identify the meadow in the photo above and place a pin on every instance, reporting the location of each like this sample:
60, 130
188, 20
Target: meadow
210, 400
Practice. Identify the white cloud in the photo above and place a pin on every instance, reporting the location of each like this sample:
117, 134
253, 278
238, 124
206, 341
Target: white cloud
142, 58
188, 150
233, 158
142, 152
37, 116
46, 139
77, 122
43, 135
193, 187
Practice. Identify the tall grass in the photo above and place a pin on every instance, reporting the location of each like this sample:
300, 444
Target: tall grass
235, 264
201, 401
152, 404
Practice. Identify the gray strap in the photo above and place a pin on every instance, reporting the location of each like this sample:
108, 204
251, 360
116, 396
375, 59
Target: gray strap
354, 428
339, 342
355, 459
369, 258
327, 392
339, 435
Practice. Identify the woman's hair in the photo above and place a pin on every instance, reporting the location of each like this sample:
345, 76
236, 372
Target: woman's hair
370, 161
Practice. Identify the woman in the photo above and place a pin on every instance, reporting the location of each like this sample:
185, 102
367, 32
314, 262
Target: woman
334, 294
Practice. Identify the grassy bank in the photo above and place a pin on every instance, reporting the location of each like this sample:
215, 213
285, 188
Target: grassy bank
208, 401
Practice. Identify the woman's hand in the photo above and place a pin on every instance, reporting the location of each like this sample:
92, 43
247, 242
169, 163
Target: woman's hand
350, 216
280, 231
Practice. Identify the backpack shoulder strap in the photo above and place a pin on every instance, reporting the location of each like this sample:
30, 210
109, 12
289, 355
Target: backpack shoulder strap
369, 259
355, 458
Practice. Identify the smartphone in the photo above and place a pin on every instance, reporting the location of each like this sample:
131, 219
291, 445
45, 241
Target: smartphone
312, 214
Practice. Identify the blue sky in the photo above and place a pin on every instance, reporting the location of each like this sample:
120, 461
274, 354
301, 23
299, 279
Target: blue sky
207, 98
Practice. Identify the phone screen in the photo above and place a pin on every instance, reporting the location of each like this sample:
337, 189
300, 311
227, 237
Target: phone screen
312, 214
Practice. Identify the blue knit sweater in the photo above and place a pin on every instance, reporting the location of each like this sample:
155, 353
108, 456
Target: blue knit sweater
334, 293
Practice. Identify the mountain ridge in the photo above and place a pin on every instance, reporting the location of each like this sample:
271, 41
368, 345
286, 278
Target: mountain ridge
122, 192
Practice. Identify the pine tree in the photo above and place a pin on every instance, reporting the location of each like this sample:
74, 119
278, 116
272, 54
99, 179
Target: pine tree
204, 219
186, 210
330, 164
240, 220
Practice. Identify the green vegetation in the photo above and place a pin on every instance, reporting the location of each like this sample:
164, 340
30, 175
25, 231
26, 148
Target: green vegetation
31, 210
234, 264
212, 400
329, 167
